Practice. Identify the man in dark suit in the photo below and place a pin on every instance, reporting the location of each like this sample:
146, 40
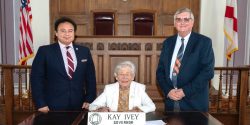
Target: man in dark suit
185, 66
63, 74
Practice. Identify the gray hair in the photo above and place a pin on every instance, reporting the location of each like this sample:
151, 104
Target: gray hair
182, 10
128, 64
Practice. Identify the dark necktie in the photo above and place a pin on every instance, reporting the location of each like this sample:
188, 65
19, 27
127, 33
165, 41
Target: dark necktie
175, 73
70, 63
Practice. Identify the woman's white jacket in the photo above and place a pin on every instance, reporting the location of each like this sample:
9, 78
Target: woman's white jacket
137, 98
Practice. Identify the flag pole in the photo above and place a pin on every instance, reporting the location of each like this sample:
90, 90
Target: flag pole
227, 64
26, 89
231, 34
26, 50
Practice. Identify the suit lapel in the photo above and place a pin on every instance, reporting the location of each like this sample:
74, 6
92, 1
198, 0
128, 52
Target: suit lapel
116, 96
171, 51
77, 57
60, 62
131, 95
188, 50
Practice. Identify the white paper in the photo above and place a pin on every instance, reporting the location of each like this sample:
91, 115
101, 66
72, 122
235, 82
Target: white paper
155, 122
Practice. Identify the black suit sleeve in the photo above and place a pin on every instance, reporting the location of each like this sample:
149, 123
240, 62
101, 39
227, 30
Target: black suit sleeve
91, 80
37, 78
162, 73
206, 70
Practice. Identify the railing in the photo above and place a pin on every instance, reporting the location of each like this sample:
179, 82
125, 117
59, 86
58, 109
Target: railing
15, 90
231, 93
225, 96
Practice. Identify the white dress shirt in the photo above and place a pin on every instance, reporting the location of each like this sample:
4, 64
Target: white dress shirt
72, 53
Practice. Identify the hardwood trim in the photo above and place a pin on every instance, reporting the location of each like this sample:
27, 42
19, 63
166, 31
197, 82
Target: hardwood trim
104, 36
9, 94
243, 97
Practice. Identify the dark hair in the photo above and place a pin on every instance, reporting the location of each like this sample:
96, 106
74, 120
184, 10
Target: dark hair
63, 20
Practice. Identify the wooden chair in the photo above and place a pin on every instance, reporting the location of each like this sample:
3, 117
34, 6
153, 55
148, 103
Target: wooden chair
104, 23
143, 23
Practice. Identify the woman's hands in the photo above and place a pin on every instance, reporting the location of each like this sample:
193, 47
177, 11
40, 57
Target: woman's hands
107, 109
135, 109
103, 109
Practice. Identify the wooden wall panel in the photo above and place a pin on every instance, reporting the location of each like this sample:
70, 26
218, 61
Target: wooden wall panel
81, 30
168, 30
196, 9
122, 7
183, 3
169, 6
168, 19
123, 19
123, 24
148, 70
81, 12
102, 4
123, 30
144, 52
71, 7
99, 69
156, 5
140, 4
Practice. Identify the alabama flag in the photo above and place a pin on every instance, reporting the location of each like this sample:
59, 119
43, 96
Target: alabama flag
230, 28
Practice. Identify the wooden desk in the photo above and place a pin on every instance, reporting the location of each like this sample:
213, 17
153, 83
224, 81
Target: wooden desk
55, 118
80, 118
184, 118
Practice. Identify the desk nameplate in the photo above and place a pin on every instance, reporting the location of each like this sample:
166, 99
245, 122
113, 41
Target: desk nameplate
116, 118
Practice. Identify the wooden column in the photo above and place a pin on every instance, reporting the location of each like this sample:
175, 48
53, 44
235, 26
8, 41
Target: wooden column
243, 96
9, 94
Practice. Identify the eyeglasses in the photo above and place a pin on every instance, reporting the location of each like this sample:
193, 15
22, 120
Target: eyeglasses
185, 20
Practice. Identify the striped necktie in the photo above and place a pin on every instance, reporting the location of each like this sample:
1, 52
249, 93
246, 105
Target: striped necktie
176, 72
70, 63
177, 64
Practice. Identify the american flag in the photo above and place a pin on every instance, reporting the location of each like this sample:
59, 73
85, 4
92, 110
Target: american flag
26, 39
231, 28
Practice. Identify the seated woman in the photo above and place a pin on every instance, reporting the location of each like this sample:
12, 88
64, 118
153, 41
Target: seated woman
125, 95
